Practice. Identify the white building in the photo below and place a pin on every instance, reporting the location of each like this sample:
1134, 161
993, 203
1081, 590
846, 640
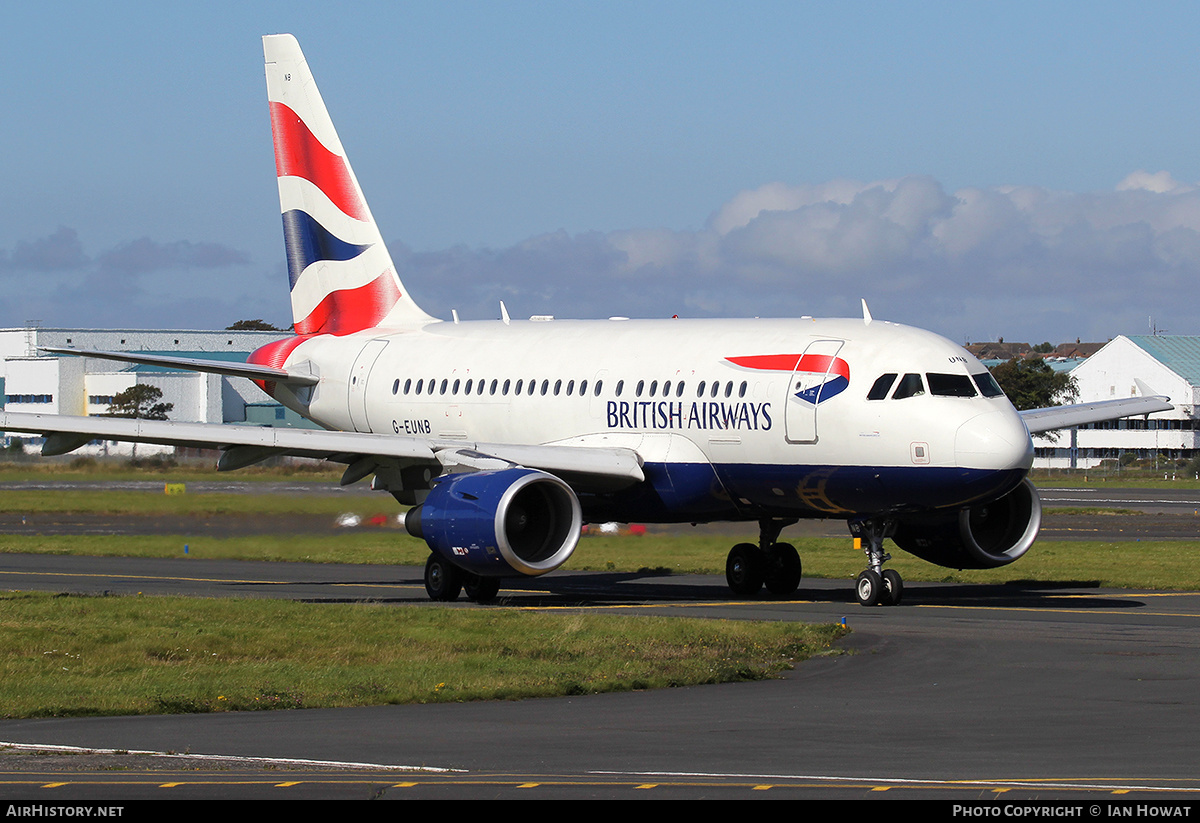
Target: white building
1167, 365
34, 381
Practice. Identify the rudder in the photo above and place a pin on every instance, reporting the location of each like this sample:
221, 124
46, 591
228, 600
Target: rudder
342, 277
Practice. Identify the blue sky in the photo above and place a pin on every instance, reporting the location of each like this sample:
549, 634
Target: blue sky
957, 164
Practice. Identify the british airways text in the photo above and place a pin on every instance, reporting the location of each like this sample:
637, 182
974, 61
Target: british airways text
664, 414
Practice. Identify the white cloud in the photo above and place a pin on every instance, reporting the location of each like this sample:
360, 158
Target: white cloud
1019, 261
1023, 262
1160, 182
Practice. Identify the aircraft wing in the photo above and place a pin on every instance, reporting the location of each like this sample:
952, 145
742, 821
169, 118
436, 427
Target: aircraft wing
364, 452
1065, 417
226, 367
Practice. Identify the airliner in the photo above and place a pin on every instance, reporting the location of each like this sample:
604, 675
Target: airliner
504, 437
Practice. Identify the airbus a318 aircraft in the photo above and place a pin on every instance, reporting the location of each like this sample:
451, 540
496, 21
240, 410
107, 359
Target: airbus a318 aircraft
506, 436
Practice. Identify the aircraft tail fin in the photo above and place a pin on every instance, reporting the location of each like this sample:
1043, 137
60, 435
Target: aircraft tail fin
342, 277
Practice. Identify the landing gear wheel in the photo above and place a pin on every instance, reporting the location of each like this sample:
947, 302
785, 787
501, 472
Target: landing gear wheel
744, 569
481, 589
783, 569
443, 580
869, 588
893, 588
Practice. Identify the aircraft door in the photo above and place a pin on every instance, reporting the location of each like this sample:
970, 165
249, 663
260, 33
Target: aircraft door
814, 379
357, 385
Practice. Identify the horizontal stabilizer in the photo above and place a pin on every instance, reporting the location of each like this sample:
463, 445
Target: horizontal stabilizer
225, 367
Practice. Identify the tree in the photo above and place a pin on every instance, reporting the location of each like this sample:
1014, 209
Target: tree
252, 325
140, 401
1032, 384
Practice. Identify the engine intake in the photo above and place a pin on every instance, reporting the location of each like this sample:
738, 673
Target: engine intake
984, 536
496, 523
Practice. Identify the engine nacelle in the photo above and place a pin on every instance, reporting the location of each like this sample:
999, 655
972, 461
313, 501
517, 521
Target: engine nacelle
497, 523
984, 536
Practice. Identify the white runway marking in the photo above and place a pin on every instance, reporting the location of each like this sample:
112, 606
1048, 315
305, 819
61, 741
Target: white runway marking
291, 761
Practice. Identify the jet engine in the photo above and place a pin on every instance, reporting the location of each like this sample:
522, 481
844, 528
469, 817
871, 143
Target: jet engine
497, 523
983, 536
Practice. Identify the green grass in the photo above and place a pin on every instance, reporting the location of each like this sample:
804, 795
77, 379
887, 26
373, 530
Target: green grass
73, 656
41, 469
104, 501
1147, 564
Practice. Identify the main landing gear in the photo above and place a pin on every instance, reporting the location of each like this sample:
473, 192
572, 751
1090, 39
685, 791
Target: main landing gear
777, 565
444, 581
876, 586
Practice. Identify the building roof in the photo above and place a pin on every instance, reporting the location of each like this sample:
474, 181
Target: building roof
1179, 353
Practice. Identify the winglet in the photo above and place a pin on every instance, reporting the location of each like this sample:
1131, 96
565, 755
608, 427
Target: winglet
866, 313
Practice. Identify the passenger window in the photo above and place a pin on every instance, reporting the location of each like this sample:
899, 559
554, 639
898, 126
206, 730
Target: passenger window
716, 386
700, 389
582, 388
729, 388
571, 388
467, 389
599, 386
880, 389
910, 386
653, 387
557, 387
532, 388
455, 389
679, 389
620, 387
742, 389
396, 386
504, 391
545, 387
420, 385
492, 390
641, 385
445, 383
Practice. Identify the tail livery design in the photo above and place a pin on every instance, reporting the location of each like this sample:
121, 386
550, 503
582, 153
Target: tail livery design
342, 277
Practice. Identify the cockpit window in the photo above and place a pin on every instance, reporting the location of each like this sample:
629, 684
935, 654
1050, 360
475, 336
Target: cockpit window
882, 385
950, 385
987, 384
910, 386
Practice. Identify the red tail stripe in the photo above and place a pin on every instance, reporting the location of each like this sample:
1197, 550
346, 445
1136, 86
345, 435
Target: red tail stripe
298, 153
349, 310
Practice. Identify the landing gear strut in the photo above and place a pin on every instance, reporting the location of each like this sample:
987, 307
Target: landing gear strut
876, 586
444, 581
772, 563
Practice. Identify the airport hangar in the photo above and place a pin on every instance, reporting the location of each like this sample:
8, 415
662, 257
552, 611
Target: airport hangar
34, 381
1165, 364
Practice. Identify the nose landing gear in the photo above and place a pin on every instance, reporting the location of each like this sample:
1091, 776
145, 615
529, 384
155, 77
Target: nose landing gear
876, 586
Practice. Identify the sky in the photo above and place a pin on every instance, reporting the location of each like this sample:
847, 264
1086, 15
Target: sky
1019, 170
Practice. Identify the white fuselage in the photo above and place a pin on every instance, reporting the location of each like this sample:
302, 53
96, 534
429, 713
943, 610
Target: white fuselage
717, 397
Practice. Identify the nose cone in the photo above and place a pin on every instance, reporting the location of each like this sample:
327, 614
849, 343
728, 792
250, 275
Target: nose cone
994, 440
